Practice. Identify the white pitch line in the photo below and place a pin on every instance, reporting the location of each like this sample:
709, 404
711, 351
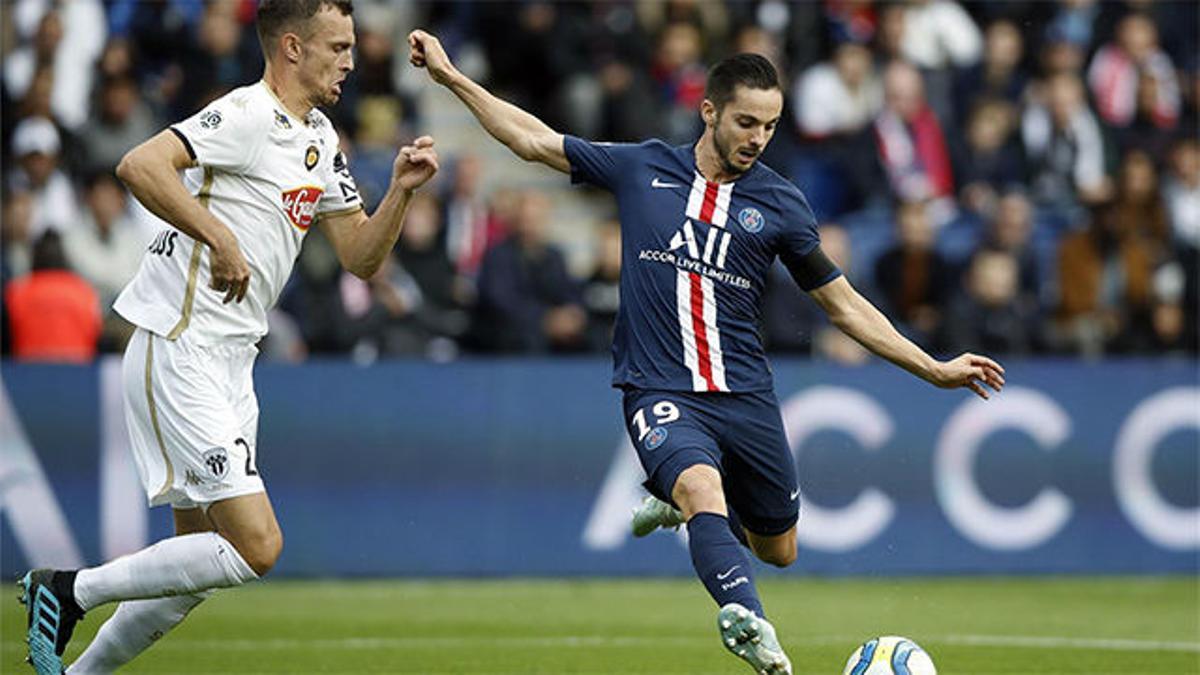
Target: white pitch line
333, 644
592, 641
1049, 642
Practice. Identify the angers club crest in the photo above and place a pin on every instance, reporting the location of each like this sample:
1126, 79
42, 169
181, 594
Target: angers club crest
217, 461
311, 157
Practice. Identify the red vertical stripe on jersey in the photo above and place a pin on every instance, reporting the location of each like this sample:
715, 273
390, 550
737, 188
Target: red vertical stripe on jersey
710, 201
698, 328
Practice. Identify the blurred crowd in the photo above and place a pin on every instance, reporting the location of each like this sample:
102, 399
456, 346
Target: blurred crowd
1015, 177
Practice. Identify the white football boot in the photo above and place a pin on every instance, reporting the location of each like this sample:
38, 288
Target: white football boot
753, 640
654, 513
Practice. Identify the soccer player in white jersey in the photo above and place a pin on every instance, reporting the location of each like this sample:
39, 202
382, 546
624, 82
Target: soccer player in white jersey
262, 165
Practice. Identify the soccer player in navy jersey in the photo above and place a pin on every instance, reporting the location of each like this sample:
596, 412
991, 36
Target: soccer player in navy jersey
701, 225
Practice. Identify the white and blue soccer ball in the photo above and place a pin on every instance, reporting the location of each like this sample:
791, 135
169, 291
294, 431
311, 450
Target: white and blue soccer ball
889, 655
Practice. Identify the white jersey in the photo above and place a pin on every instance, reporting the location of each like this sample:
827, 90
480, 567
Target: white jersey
268, 176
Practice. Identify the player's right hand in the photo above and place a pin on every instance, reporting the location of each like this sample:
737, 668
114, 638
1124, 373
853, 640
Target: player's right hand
972, 372
230, 271
425, 51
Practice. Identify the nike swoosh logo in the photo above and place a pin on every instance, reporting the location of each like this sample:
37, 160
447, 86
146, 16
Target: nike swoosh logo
659, 184
723, 577
794, 494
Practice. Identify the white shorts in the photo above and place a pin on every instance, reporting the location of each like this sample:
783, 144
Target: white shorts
193, 419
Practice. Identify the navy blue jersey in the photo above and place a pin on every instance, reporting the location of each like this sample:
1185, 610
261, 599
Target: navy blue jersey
695, 256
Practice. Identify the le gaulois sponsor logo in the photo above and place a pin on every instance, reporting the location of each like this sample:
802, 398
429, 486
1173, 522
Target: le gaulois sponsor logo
300, 205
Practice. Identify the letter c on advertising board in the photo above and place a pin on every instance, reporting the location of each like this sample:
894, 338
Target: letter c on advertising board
966, 507
860, 416
1150, 422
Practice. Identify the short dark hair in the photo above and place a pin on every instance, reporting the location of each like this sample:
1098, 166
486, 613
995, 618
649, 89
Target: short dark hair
275, 17
48, 252
749, 70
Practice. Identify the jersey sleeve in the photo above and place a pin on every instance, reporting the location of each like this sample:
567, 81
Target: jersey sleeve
799, 244
341, 192
599, 164
223, 135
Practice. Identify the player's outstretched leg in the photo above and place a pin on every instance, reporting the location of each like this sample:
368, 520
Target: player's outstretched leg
752, 638
131, 630
724, 567
176, 566
654, 513
137, 624
51, 615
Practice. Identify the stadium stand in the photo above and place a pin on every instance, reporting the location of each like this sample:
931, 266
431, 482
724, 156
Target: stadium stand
1061, 137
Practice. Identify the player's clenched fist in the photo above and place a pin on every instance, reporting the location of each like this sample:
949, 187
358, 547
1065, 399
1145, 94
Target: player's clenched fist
425, 51
415, 164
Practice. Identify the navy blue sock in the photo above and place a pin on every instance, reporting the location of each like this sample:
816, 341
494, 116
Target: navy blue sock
735, 526
721, 563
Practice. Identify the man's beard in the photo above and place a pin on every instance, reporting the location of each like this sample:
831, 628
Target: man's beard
320, 93
723, 154
325, 98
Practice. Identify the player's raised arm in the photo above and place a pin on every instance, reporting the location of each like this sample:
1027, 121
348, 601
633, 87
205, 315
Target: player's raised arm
858, 318
524, 134
151, 171
362, 243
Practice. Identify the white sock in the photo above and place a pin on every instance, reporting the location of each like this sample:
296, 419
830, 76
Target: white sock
131, 630
176, 566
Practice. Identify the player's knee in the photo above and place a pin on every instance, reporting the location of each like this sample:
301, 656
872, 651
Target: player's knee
262, 551
697, 491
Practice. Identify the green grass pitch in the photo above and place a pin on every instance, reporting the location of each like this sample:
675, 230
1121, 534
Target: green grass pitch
971, 626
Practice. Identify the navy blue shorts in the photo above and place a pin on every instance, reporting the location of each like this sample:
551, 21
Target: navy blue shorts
740, 435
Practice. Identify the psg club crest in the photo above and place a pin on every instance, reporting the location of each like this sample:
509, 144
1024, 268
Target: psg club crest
311, 157
751, 220
655, 438
300, 205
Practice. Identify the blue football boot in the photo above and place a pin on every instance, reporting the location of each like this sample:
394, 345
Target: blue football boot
51, 617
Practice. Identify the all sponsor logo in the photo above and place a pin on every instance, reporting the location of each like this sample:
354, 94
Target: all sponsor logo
751, 219
693, 249
282, 120
217, 461
300, 205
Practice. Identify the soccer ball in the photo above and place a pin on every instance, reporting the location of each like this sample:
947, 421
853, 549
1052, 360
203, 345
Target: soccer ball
889, 655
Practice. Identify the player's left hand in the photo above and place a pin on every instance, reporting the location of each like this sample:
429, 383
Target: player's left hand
415, 164
971, 371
